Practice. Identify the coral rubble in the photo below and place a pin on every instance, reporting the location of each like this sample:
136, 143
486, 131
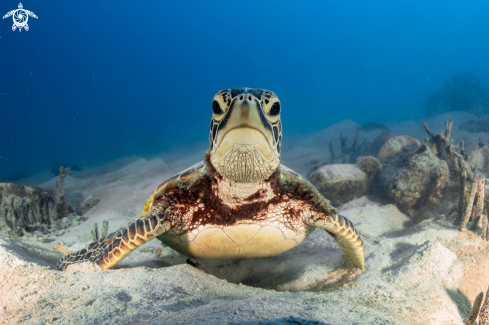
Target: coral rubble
25, 209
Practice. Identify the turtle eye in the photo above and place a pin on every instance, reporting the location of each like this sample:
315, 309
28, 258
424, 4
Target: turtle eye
216, 108
275, 110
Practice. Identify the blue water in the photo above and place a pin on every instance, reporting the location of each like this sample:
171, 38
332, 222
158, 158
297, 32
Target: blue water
95, 81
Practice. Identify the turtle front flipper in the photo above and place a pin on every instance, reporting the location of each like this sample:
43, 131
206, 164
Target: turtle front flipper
109, 251
321, 214
345, 235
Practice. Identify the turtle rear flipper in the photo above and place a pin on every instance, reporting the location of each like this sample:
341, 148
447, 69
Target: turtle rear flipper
14, 27
109, 251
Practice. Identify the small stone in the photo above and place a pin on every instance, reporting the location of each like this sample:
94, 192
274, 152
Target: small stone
340, 183
395, 145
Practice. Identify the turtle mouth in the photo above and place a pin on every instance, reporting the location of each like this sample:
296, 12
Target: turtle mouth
244, 155
244, 135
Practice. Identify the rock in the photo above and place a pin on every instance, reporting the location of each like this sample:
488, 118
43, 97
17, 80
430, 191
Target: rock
480, 162
390, 168
412, 178
369, 165
395, 145
424, 181
374, 126
340, 183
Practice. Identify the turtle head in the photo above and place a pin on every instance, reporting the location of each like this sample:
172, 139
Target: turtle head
245, 134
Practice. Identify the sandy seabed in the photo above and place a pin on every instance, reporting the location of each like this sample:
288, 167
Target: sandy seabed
425, 273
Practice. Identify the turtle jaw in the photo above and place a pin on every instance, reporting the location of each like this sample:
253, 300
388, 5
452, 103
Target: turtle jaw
244, 155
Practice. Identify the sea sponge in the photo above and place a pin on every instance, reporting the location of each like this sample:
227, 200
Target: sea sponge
28, 209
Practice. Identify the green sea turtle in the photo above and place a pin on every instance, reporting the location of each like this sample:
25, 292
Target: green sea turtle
237, 203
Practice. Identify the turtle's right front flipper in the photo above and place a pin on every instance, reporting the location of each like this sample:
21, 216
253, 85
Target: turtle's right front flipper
112, 249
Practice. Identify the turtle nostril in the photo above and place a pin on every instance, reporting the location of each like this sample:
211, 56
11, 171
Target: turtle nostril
241, 97
249, 98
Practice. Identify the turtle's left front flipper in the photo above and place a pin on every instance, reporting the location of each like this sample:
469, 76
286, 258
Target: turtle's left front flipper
112, 249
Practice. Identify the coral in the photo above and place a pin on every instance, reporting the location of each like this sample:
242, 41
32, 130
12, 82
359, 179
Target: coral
484, 312
477, 311
443, 147
480, 161
352, 150
25, 209
485, 228
463, 92
94, 233
350, 154
463, 167
57, 166
478, 188
61, 248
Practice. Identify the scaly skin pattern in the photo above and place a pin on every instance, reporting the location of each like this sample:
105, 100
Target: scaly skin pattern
238, 203
108, 251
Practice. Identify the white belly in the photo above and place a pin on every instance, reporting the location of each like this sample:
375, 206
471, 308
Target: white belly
238, 241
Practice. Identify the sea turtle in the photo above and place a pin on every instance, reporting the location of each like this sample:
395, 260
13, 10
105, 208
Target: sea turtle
20, 17
237, 203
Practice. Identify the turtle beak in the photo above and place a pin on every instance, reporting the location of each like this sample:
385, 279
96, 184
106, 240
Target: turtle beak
245, 113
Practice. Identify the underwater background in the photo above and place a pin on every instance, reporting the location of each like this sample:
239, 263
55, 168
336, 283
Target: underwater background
91, 82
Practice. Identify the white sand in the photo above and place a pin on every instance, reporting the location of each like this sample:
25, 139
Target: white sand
428, 273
